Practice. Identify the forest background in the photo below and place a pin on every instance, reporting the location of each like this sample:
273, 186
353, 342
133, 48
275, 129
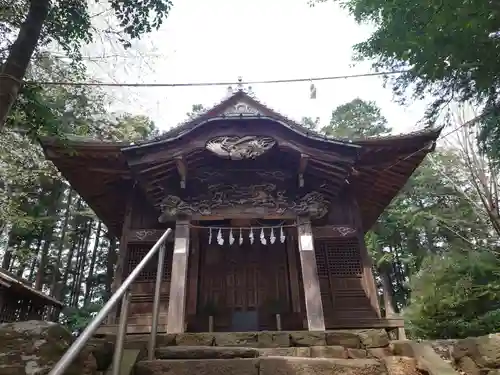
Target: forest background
435, 248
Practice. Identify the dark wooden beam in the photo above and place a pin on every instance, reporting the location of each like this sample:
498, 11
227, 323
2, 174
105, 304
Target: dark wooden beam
302, 168
334, 231
177, 148
154, 167
146, 235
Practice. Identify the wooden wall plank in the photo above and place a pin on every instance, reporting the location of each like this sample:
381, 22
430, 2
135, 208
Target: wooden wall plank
178, 286
193, 271
314, 305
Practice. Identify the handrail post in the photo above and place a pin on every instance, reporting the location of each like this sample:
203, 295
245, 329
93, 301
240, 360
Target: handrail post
120, 337
156, 304
87, 333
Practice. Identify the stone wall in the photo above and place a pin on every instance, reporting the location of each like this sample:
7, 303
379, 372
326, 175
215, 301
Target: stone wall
34, 347
471, 356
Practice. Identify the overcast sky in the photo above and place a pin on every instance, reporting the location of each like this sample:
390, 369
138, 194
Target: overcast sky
219, 40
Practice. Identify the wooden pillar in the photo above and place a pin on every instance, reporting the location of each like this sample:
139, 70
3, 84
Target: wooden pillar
178, 283
293, 271
388, 301
314, 305
368, 278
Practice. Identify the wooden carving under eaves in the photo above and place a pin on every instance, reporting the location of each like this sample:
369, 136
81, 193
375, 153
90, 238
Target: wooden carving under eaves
245, 199
239, 148
241, 109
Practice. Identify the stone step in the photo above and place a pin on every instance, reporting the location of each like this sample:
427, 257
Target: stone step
215, 352
262, 366
205, 352
355, 339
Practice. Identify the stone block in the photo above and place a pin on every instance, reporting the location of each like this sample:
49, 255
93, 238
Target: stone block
236, 339
356, 353
483, 350
307, 338
468, 366
102, 350
194, 339
205, 352
273, 339
285, 352
198, 367
328, 352
430, 362
347, 339
401, 366
401, 348
373, 338
317, 366
379, 352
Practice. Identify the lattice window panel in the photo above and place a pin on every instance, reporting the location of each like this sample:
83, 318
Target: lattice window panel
338, 257
137, 252
321, 261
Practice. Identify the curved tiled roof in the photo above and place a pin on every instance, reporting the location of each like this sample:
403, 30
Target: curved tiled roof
99, 171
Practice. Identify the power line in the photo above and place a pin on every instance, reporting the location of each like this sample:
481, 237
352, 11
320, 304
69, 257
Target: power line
202, 84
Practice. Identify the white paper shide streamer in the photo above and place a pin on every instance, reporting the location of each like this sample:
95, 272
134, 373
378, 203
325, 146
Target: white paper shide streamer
237, 236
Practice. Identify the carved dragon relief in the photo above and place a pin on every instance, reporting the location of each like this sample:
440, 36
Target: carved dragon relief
239, 148
221, 196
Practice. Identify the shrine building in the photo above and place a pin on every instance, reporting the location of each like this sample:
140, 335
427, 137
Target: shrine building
268, 217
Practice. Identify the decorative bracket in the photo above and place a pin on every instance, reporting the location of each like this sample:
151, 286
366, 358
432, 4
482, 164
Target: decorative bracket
182, 169
302, 168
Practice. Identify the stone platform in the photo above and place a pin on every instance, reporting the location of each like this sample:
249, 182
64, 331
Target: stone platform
346, 352
354, 339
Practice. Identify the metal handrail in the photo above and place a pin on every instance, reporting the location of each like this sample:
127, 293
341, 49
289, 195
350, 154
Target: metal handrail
122, 291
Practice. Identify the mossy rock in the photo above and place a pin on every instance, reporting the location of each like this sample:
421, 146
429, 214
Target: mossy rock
35, 347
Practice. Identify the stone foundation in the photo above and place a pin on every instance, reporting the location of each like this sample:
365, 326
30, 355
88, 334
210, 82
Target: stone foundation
351, 339
346, 352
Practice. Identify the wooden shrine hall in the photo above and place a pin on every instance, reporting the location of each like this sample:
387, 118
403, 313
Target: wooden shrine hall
269, 218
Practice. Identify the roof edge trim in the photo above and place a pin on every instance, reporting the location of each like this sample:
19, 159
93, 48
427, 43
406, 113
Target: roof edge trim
221, 118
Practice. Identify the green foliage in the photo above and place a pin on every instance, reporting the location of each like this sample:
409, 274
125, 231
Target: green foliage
69, 22
456, 296
357, 119
137, 17
432, 243
196, 110
310, 124
40, 216
76, 318
447, 46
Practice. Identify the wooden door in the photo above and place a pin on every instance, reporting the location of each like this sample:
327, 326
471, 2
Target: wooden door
243, 278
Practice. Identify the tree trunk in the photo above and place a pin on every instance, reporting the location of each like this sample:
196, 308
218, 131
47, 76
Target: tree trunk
20, 54
80, 269
387, 291
110, 266
74, 243
90, 276
48, 232
35, 260
7, 257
